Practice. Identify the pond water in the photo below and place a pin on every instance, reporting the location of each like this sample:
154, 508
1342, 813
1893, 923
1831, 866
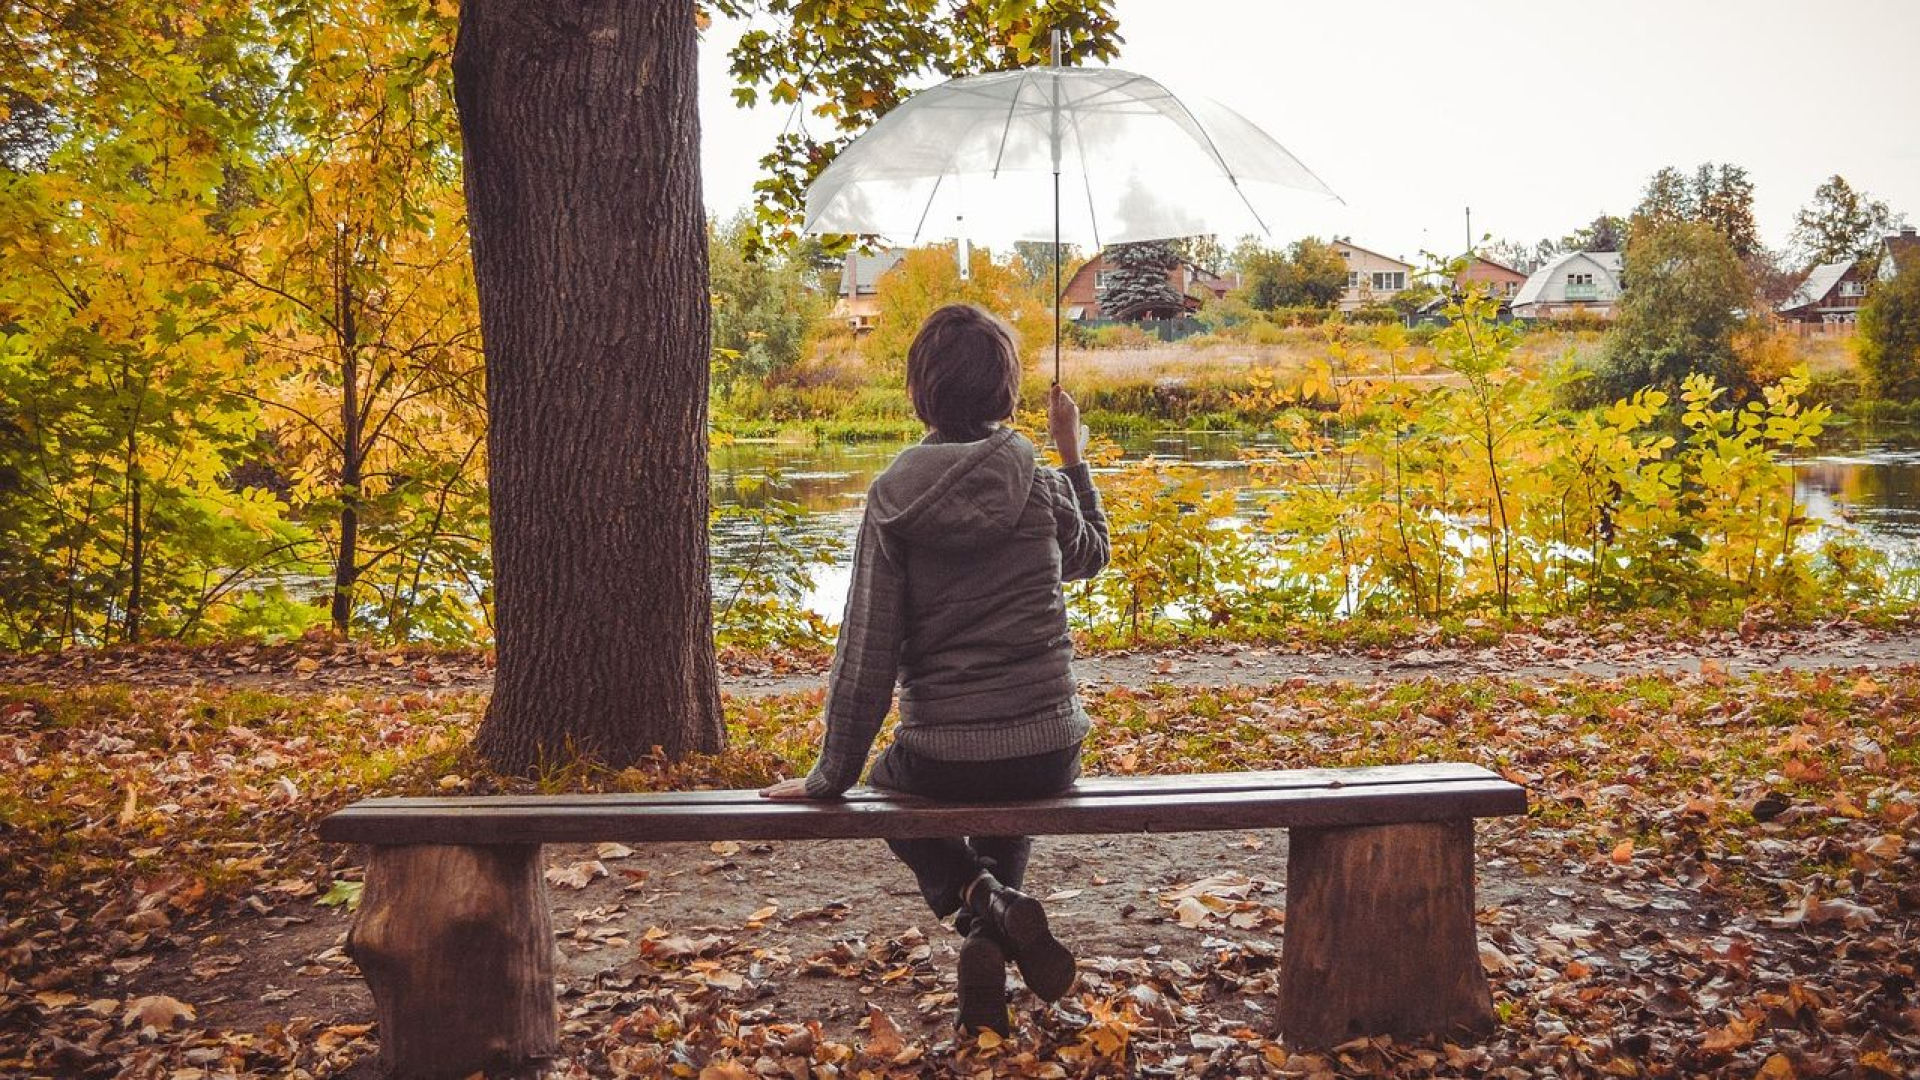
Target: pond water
1869, 477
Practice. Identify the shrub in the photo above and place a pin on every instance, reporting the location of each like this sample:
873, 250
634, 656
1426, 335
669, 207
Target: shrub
1679, 318
1889, 337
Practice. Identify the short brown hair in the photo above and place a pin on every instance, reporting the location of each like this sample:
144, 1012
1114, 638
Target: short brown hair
963, 371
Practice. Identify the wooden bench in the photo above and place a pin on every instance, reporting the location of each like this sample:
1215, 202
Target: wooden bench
455, 939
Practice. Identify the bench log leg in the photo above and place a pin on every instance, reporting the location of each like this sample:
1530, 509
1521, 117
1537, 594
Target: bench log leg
456, 943
1380, 935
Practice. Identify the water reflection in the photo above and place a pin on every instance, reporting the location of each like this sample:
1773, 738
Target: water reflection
1868, 478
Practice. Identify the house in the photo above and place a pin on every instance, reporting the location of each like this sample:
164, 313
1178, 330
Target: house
1831, 293
1372, 278
859, 301
1578, 282
1080, 299
1898, 253
1499, 280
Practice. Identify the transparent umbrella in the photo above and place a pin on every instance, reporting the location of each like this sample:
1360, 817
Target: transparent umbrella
1073, 155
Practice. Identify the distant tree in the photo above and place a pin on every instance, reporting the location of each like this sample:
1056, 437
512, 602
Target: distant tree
762, 308
1605, 233
1723, 198
1774, 278
1889, 337
1320, 274
1309, 273
1138, 287
1840, 223
1034, 262
1689, 294
928, 278
1522, 257
1205, 252
1719, 195
1668, 198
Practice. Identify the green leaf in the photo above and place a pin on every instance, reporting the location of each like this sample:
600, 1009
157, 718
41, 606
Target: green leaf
343, 894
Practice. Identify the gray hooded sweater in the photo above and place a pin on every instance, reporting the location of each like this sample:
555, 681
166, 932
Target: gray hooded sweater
956, 596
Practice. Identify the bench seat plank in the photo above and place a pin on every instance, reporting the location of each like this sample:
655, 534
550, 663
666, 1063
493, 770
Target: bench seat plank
1092, 786
1204, 802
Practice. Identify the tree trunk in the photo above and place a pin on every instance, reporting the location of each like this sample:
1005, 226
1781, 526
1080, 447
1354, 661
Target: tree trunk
456, 944
345, 565
590, 253
1380, 935
136, 540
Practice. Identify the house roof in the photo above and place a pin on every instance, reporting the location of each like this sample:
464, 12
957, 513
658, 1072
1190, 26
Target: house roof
1496, 264
1548, 282
1819, 282
864, 270
1370, 251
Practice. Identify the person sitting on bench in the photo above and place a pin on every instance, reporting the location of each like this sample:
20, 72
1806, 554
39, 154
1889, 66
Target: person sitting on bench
956, 595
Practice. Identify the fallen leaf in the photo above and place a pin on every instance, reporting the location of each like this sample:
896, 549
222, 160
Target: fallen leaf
577, 875
156, 1011
724, 848
883, 1038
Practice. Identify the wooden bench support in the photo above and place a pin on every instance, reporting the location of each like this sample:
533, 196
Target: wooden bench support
1380, 935
455, 939
456, 943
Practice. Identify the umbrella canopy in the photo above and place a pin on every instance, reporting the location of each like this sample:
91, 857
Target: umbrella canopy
978, 158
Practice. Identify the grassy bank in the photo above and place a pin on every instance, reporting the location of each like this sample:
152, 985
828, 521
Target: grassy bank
1198, 383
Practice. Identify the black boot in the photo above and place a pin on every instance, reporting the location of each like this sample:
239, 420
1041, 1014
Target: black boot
1020, 923
983, 979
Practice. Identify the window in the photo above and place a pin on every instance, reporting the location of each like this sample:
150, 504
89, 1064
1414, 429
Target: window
1353, 279
1100, 279
1389, 281
1579, 279
1853, 288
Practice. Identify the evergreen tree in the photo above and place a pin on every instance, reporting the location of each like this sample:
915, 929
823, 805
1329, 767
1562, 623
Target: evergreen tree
1718, 195
1723, 198
1138, 287
1606, 233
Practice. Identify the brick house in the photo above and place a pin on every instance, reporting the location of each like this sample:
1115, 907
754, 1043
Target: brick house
1080, 299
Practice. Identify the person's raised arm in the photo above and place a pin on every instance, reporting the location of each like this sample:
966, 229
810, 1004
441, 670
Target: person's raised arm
1080, 521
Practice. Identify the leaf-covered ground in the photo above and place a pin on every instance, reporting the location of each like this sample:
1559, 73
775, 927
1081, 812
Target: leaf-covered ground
1363, 651
1720, 876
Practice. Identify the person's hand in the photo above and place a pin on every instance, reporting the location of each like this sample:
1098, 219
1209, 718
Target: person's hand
795, 788
1063, 424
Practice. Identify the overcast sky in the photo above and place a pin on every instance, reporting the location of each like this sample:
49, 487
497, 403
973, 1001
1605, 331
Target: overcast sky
1536, 113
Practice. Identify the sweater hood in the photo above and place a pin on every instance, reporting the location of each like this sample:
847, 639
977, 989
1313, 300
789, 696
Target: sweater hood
955, 494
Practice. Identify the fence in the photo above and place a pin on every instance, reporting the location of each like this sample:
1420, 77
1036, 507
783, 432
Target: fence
1165, 329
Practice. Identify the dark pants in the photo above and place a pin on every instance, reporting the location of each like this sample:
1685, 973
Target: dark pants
946, 866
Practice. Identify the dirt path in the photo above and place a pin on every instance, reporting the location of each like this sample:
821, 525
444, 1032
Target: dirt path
823, 931
326, 667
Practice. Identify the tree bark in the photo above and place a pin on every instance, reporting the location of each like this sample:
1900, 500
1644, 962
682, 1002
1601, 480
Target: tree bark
346, 570
456, 944
1380, 935
581, 138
